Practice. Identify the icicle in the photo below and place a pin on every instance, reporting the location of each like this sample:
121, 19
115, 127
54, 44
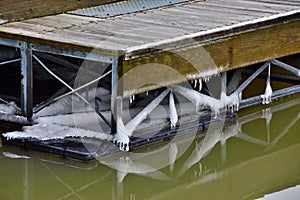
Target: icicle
267, 97
133, 97
231, 102
130, 100
206, 79
173, 112
121, 138
200, 85
195, 83
147, 93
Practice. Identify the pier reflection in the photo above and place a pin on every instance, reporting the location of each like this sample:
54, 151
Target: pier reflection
254, 155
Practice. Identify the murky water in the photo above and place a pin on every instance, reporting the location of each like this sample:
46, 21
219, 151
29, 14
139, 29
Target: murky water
256, 155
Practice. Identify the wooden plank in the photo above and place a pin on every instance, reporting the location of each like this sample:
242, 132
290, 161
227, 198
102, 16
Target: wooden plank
280, 2
156, 29
227, 9
171, 67
262, 5
267, 4
12, 10
211, 14
63, 21
206, 22
245, 6
59, 40
184, 19
96, 37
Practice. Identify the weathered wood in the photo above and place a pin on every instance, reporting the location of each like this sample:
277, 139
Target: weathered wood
110, 36
18, 10
170, 67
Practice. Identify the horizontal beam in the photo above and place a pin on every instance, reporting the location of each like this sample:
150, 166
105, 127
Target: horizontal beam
10, 42
64, 51
73, 53
252, 101
212, 58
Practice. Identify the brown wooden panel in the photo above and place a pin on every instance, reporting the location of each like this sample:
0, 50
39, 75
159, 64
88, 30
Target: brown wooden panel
172, 67
14, 10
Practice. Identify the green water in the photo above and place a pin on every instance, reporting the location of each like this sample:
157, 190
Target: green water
246, 161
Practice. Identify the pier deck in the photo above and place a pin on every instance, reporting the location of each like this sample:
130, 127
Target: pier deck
234, 33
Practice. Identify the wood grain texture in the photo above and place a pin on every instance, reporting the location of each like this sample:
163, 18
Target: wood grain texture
178, 66
17, 10
138, 29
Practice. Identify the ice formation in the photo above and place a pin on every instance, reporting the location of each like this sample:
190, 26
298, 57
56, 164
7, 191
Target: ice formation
195, 83
121, 138
53, 132
200, 85
173, 112
10, 108
202, 100
207, 73
14, 156
267, 96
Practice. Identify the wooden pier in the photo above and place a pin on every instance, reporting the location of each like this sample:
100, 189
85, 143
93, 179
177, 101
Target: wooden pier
223, 35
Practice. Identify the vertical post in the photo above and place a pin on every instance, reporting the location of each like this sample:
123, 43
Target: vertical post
224, 83
26, 81
117, 93
114, 79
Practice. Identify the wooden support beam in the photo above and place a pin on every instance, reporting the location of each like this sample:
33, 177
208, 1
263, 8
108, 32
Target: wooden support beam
19, 10
204, 59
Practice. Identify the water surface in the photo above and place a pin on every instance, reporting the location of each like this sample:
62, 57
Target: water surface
256, 155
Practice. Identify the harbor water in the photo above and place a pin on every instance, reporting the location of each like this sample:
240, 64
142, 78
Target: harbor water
256, 156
